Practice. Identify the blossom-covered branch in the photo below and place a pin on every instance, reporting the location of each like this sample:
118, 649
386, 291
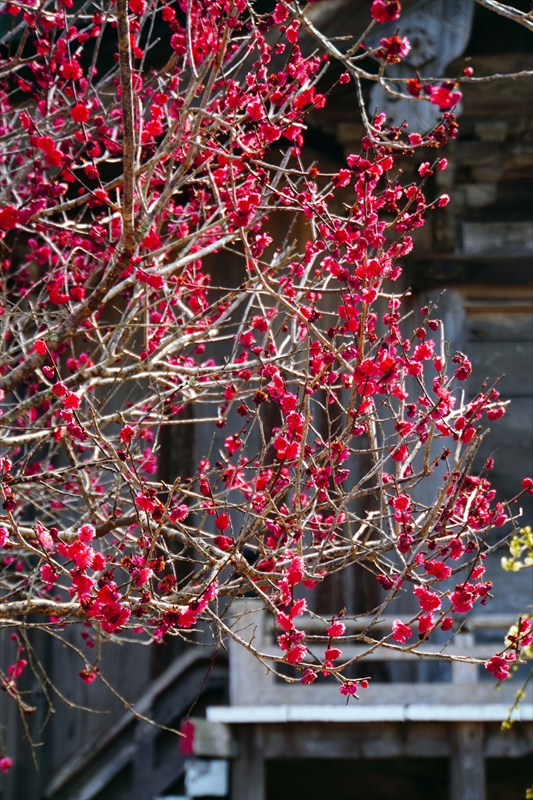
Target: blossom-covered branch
128, 184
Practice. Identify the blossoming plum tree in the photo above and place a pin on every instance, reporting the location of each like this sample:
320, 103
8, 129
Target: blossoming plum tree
122, 179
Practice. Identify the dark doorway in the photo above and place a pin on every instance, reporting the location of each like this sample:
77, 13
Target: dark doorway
509, 777
358, 779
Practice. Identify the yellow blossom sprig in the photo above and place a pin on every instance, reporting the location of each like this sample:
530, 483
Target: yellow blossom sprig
521, 549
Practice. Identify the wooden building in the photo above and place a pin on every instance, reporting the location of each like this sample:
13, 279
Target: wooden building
423, 730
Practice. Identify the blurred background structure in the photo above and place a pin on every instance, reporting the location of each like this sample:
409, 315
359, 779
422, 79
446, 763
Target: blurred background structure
422, 730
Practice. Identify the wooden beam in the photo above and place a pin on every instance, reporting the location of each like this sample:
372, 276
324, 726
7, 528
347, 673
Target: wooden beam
332, 740
414, 712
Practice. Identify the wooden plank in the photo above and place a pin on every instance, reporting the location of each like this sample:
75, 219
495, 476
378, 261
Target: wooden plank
382, 740
477, 154
483, 272
505, 237
502, 327
379, 740
513, 360
431, 693
360, 713
485, 308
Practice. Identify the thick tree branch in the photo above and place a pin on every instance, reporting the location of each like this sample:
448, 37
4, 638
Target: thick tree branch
128, 157
522, 17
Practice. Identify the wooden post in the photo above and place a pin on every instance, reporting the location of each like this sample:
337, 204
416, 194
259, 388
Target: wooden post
248, 779
249, 679
467, 765
463, 672
249, 684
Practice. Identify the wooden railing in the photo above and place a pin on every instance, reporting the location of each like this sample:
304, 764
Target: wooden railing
253, 684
